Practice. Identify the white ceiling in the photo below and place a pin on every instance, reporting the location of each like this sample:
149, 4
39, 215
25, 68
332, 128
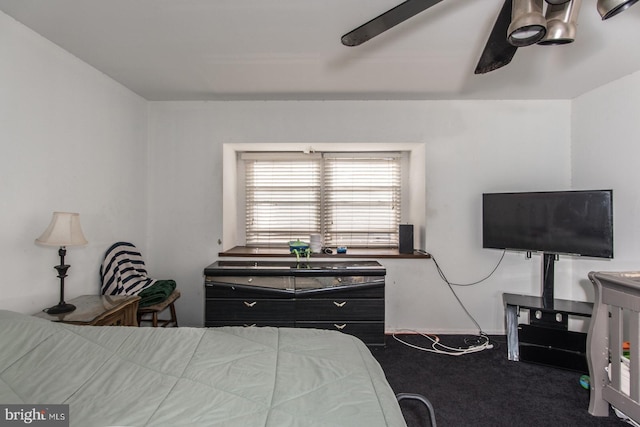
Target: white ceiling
290, 49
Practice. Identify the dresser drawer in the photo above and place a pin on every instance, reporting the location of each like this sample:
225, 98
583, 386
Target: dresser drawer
365, 291
249, 310
331, 281
216, 290
265, 286
340, 309
371, 333
346, 286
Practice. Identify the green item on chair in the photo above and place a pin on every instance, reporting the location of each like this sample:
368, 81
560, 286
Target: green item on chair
156, 293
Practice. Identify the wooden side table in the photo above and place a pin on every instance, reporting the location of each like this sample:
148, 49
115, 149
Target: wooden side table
99, 310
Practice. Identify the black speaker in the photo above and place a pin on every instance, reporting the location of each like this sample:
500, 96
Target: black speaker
406, 239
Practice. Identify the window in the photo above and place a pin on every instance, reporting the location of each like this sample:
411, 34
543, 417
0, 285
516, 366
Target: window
351, 199
283, 198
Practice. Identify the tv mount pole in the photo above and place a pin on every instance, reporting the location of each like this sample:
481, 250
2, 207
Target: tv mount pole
548, 261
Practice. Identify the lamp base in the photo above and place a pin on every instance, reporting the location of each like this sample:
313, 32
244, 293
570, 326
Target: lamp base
60, 308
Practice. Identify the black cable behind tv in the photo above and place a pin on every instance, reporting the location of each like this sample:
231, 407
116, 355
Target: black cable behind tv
578, 223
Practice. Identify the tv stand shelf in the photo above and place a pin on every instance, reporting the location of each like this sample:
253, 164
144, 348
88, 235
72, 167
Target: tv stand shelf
546, 339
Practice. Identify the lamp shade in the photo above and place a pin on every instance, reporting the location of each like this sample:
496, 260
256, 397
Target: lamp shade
64, 230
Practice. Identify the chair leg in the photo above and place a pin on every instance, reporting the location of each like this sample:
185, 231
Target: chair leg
155, 319
174, 318
420, 398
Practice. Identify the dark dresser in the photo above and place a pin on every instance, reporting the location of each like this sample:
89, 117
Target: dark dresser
344, 296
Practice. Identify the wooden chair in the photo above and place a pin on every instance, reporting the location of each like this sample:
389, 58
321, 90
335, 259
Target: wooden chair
154, 310
123, 272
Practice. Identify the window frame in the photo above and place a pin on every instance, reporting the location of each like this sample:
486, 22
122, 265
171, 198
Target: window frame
225, 200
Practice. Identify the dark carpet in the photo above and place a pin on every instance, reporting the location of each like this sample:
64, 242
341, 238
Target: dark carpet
485, 388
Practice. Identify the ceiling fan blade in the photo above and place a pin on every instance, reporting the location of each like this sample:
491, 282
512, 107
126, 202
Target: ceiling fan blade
387, 20
498, 52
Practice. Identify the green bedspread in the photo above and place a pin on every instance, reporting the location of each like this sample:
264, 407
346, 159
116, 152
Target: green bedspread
230, 376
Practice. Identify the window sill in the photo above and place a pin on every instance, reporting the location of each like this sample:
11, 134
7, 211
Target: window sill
243, 251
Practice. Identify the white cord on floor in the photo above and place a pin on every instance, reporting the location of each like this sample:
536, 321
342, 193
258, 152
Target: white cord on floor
439, 348
436, 346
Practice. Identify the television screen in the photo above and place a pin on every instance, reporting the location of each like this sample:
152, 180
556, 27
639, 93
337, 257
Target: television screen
560, 222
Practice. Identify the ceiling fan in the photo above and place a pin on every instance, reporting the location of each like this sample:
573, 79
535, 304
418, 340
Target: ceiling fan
519, 23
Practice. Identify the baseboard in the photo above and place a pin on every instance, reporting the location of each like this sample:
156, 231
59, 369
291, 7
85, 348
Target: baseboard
391, 331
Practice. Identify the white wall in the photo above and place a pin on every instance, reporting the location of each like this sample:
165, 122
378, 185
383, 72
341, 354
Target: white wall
471, 147
72, 140
605, 152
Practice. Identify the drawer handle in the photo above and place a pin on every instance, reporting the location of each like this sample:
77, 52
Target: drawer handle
340, 304
250, 304
340, 327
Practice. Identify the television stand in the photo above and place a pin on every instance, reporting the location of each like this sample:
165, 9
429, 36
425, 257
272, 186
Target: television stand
546, 339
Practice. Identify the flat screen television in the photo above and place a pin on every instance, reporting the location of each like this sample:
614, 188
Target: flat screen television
557, 222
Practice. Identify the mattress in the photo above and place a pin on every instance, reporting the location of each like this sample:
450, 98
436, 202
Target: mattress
229, 376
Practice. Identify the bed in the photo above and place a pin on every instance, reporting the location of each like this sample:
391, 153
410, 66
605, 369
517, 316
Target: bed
229, 376
615, 373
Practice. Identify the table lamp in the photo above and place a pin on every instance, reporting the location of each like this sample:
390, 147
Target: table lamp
64, 230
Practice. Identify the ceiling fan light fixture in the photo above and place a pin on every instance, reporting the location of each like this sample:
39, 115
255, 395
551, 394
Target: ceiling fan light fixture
610, 8
528, 24
562, 23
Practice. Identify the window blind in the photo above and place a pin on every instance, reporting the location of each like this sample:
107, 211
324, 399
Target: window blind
362, 199
282, 198
351, 199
